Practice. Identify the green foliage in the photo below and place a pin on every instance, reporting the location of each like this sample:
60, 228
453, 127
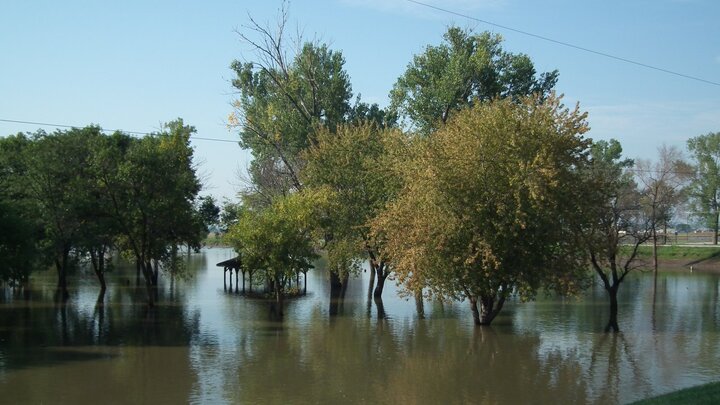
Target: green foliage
208, 211
153, 186
465, 69
21, 230
489, 205
279, 240
357, 163
705, 189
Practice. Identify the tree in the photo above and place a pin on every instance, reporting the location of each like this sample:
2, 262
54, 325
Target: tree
662, 190
356, 163
283, 98
465, 69
705, 189
152, 186
489, 206
618, 219
229, 215
278, 241
18, 218
59, 182
209, 212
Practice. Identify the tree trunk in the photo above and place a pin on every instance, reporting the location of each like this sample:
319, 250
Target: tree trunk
419, 304
717, 225
98, 263
147, 274
278, 296
61, 265
654, 253
474, 309
381, 276
335, 293
489, 309
612, 322
380, 307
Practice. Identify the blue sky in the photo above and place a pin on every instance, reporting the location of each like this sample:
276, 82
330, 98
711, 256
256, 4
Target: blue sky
135, 64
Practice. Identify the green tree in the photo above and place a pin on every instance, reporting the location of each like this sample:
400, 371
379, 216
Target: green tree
152, 187
18, 218
58, 181
283, 97
465, 69
209, 212
357, 163
489, 206
618, 219
278, 241
705, 189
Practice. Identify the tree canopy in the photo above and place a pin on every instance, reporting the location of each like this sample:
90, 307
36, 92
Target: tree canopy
464, 69
705, 190
488, 207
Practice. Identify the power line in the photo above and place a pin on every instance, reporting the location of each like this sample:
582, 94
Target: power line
566, 44
45, 124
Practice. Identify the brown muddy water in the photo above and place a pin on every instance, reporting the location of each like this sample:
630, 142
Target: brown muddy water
203, 344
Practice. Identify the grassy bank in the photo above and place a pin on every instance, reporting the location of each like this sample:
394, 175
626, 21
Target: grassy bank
703, 394
213, 240
679, 252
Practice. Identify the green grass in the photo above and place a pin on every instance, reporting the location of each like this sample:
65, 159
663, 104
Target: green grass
213, 240
700, 395
674, 252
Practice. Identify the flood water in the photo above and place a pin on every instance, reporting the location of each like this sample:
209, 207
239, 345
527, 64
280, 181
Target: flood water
203, 344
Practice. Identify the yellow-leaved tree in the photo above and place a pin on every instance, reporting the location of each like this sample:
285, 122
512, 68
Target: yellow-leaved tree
492, 206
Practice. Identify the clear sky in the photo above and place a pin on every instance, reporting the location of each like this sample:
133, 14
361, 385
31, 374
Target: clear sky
134, 64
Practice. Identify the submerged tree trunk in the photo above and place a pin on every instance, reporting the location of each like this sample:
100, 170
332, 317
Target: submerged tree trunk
279, 296
382, 274
489, 309
98, 263
335, 293
419, 304
380, 307
61, 264
654, 254
147, 270
612, 322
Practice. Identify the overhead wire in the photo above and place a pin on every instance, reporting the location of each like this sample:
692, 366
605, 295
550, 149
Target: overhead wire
46, 124
566, 44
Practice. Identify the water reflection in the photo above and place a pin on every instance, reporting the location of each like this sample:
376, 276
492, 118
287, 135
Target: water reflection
205, 344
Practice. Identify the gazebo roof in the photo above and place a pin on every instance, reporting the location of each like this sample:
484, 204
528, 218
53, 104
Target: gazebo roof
234, 263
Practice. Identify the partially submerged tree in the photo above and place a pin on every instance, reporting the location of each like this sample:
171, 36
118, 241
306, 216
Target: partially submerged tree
619, 224
705, 189
662, 187
277, 242
489, 206
152, 186
21, 230
59, 182
357, 163
465, 69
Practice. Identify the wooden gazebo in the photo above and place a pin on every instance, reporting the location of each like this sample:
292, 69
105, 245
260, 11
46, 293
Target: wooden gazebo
236, 265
